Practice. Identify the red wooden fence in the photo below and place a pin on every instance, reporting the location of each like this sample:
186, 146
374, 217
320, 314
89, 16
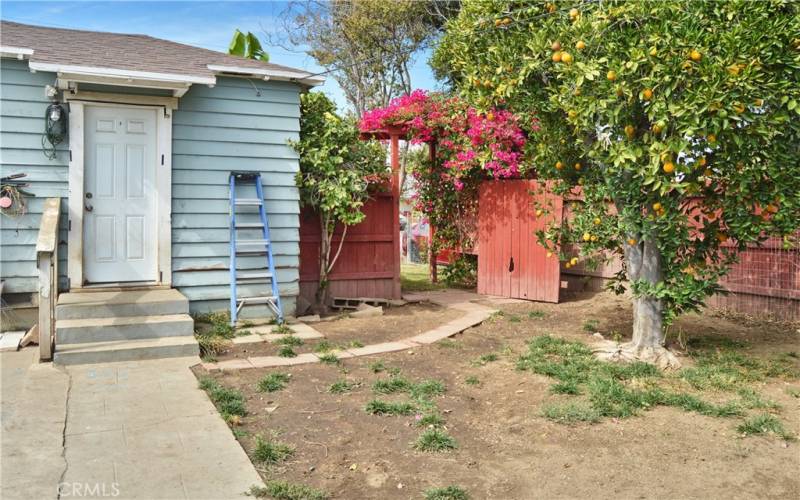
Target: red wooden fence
511, 262
369, 263
766, 280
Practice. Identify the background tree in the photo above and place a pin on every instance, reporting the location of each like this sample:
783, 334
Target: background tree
337, 172
248, 46
677, 119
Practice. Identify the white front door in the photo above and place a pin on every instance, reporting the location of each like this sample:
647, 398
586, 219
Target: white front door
120, 235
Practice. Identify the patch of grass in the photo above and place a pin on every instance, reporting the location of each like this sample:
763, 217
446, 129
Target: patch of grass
273, 382
430, 420
353, 344
271, 452
514, 318
753, 400
714, 342
377, 367
392, 385
450, 344
379, 407
229, 402
793, 392
571, 413
729, 370
427, 389
282, 329
211, 346
568, 387
394, 371
415, 278
289, 340
590, 325
323, 346
536, 314
764, 424
486, 358
341, 386
284, 490
329, 358
472, 380
286, 351
447, 493
435, 440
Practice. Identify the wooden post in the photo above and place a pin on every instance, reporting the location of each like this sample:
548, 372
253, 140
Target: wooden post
47, 263
431, 253
395, 162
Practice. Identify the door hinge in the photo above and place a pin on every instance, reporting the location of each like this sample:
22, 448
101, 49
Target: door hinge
162, 160
161, 276
70, 155
69, 225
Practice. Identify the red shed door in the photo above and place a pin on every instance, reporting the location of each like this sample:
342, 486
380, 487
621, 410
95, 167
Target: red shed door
511, 263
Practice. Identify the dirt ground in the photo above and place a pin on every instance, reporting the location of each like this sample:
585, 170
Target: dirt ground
396, 323
506, 448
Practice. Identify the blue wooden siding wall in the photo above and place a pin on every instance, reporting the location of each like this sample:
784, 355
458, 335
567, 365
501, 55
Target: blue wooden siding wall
239, 124
22, 108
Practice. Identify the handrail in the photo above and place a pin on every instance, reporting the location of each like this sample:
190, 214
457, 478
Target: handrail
47, 262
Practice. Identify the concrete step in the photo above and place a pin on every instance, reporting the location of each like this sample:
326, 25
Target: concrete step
126, 350
81, 331
99, 304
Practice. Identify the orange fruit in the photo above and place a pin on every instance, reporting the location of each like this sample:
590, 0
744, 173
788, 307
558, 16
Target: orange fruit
702, 161
695, 55
566, 58
551, 8
507, 21
549, 254
597, 221
490, 116
669, 167
587, 236
498, 22
629, 131
580, 45
759, 102
631, 241
653, 52
594, 238
567, 265
657, 206
559, 165
557, 57
657, 128
556, 46
611, 75
578, 166
539, 213
772, 209
722, 237
574, 261
712, 138
573, 13
580, 181
647, 94
572, 113
739, 108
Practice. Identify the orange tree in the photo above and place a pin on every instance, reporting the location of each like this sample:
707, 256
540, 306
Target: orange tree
679, 120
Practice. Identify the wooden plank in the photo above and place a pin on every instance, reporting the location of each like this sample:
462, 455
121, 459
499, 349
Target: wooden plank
107, 97
48, 228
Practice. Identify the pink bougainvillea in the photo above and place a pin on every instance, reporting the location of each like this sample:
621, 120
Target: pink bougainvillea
471, 146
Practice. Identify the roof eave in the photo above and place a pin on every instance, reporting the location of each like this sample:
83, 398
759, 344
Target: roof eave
15, 52
122, 74
303, 78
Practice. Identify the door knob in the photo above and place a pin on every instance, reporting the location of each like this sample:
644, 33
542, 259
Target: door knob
88, 208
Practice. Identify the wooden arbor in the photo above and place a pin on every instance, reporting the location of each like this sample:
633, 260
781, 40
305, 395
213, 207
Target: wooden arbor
394, 135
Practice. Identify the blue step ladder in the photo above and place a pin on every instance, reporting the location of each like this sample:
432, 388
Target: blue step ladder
248, 247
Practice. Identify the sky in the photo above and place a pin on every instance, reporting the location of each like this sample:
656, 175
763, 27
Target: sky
204, 24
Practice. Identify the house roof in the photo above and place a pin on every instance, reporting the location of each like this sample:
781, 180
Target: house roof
131, 56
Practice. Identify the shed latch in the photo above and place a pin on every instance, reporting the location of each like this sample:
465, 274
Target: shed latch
511, 265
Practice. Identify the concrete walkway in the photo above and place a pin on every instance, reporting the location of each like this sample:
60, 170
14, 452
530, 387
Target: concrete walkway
474, 314
125, 430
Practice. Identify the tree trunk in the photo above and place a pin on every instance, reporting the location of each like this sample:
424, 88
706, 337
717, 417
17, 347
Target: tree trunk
322, 297
644, 263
